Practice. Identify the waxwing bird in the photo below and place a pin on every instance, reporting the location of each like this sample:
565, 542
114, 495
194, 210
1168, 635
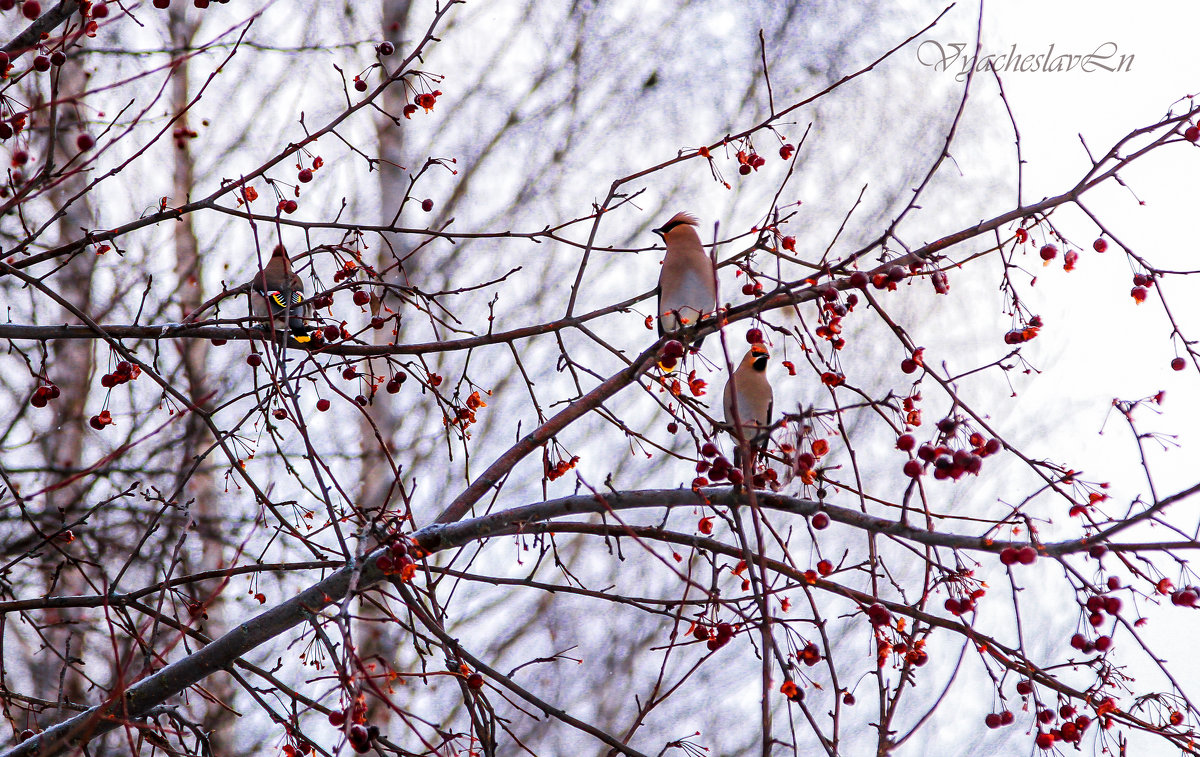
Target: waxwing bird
687, 284
275, 293
749, 386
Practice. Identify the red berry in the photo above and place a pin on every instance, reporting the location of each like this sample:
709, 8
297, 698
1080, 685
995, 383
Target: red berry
361, 298
304, 176
747, 288
672, 348
100, 10
1178, 364
475, 682
879, 615
32, 9
385, 48
906, 442
1026, 555
744, 169
57, 58
360, 85
1024, 688
162, 3
735, 476
361, 400
377, 322
332, 332
754, 336
1191, 134
1008, 556
41, 62
1045, 740
953, 606
254, 360
96, 423
1078, 641
322, 404
708, 449
824, 567
26, 734
992, 720
337, 718
200, 3
789, 243
349, 373
1048, 252
858, 280
913, 469
38, 399
820, 521
393, 386
1104, 643
427, 205
1138, 294
1100, 245
85, 142
672, 427
908, 365
290, 206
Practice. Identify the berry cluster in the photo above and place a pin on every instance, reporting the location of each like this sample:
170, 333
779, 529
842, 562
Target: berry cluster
123, 374
720, 469
948, 463
360, 734
398, 559
43, 394
718, 636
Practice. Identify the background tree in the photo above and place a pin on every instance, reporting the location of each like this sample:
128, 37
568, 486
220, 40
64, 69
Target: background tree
474, 515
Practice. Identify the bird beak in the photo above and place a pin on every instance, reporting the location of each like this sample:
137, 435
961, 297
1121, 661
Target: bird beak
661, 232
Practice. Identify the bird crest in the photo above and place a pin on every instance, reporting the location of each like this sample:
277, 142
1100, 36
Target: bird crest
679, 219
687, 218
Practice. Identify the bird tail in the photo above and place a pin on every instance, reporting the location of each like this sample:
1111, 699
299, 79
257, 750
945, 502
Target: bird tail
299, 330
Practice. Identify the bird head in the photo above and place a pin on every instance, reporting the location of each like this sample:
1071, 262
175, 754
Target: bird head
677, 220
758, 356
